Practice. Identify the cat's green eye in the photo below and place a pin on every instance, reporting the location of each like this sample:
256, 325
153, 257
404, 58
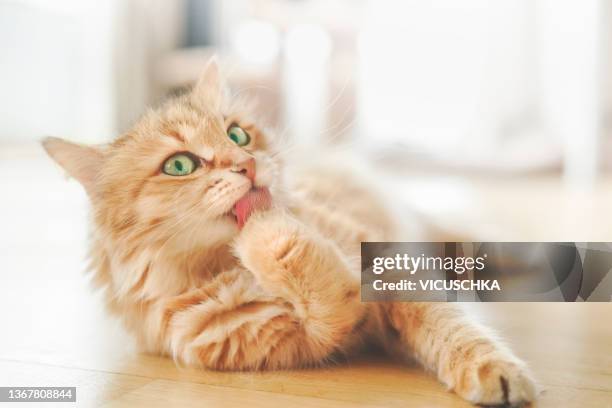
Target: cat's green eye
179, 165
238, 135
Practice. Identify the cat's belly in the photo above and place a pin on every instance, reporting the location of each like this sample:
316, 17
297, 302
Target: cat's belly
342, 207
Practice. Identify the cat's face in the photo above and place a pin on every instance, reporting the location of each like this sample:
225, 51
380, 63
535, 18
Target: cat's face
172, 181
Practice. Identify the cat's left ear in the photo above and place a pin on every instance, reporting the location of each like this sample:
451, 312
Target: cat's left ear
80, 161
210, 89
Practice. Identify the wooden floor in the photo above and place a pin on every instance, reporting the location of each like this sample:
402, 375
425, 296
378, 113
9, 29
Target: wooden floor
568, 346
55, 332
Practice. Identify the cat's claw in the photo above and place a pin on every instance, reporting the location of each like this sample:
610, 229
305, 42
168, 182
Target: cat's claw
498, 383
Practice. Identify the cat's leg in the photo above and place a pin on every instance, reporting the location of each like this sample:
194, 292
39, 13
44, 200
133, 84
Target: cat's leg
232, 324
292, 261
462, 354
296, 306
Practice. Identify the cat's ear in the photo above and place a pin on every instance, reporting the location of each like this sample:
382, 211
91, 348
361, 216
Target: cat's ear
80, 161
210, 88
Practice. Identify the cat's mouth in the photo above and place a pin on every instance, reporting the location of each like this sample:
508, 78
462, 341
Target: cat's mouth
256, 199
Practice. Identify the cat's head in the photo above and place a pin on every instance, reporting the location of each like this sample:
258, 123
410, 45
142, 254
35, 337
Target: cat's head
174, 178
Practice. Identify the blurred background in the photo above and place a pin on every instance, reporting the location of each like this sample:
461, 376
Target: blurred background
493, 119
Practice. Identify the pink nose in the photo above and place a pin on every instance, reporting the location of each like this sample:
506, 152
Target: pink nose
246, 168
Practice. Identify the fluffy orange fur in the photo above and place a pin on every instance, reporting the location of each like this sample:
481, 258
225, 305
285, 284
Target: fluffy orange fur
282, 292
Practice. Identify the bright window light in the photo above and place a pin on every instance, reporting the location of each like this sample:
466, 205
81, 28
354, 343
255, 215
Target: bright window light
256, 42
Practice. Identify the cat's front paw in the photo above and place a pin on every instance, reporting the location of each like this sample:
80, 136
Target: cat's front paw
271, 245
497, 382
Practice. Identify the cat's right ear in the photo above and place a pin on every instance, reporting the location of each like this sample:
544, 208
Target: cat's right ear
80, 161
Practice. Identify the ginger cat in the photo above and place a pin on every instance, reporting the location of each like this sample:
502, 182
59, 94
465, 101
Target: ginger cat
213, 252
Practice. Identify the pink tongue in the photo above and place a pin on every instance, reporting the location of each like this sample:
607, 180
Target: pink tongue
257, 199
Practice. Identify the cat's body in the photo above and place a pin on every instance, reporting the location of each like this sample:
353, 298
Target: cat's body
273, 286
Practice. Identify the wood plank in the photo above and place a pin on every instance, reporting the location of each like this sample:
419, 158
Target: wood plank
164, 393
